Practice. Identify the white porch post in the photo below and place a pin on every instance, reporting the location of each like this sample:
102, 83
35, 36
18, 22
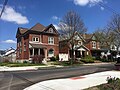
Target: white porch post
87, 53
46, 53
39, 51
81, 53
33, 52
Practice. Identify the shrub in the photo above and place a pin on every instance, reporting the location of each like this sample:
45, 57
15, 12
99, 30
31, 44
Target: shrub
52, 59
38, 59
113, 83
87, 59
57, 58
25, 62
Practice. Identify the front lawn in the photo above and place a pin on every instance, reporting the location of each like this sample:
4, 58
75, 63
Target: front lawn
19, 64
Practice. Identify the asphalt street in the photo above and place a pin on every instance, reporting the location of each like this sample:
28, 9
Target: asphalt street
22, 79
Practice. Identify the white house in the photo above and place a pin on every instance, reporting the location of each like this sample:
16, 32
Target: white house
10, 55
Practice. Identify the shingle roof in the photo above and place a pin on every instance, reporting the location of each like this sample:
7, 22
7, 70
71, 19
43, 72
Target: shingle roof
37, 46
22, 30
87, 36
38, 27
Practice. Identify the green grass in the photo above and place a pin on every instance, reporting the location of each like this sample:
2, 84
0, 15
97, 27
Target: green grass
19, 64
65, 63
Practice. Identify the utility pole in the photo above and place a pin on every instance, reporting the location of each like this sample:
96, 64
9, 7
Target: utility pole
3, 8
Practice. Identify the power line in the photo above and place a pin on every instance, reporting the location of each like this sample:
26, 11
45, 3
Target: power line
3, 8
108, 8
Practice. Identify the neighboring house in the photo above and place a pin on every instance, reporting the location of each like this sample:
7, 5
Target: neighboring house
80, 50
10, 55
2, 52
86, 44
92, 43
38, 40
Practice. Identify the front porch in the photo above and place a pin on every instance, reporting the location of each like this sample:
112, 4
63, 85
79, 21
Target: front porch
79, 52
37, 50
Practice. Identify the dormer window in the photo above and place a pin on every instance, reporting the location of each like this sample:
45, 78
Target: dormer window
35, 39
80, 43
93, 44
50, 30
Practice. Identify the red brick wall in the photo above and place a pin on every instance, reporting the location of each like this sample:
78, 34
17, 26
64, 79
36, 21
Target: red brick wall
89, 45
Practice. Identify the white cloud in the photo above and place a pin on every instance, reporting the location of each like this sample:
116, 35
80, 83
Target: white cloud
56, 26
87, 2
55, 18
9, 41
81, 2
11, 15
102, 8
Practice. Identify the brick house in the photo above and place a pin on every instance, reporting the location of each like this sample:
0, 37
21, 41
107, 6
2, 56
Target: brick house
38, 40
86, 44
93, 44
80, 50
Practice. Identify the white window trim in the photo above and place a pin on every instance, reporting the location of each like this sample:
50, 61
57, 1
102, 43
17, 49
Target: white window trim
35, 39
49, 40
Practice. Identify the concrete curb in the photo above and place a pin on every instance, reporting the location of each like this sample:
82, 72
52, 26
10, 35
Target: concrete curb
75, 83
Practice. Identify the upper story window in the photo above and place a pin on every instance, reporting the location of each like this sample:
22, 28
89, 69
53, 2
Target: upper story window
79, 42
50, 30
35, 39
20, 44
93, 44
25, 46
50, 40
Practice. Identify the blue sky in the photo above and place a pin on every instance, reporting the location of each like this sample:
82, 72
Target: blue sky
26, 13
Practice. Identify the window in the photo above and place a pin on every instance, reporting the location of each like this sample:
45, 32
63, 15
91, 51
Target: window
35, 39
80, 43
20, 43
50, 30
17, 44
93, 44
50, 40
25, 46
51, 53
18, 53
20, 50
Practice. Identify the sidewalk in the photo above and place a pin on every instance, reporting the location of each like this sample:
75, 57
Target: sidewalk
75, 83
5, 68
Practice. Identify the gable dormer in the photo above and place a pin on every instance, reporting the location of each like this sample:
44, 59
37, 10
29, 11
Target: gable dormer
51, 30
94, 38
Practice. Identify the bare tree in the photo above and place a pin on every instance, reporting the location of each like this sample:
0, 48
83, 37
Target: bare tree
70, 24
106, 37
114, 26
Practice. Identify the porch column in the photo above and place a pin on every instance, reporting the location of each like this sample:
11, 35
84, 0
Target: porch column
81, 53
45, 53
74, 54
39, 51
33, 52
87, 53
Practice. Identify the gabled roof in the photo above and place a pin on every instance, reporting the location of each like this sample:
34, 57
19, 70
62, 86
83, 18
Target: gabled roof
82, 46
88, 37
22, 30
38, 27
49, 26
